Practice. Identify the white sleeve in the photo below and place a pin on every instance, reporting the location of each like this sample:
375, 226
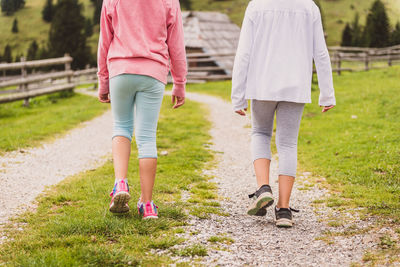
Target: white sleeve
241, 65
322, 62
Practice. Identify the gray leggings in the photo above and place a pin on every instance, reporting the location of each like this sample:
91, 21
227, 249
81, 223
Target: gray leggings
288, 117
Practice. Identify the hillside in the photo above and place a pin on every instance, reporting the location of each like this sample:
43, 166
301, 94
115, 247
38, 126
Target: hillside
31, 26
337, 12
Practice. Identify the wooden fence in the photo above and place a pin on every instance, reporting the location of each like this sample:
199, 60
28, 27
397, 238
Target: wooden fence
202, 67
35, 84
365, 56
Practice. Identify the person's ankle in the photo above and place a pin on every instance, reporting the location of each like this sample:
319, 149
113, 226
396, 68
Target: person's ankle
259, 186
280, 206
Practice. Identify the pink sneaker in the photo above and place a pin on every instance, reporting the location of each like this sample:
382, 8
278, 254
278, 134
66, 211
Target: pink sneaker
120, 197
149, 210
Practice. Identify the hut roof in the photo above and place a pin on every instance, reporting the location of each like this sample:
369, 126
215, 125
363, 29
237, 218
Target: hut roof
214, 33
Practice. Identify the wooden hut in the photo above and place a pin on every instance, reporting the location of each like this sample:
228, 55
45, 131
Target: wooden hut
211, 41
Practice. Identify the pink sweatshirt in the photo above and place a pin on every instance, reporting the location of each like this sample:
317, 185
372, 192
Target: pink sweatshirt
140, 37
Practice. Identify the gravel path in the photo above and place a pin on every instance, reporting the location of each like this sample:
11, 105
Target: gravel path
256, 240
24, 174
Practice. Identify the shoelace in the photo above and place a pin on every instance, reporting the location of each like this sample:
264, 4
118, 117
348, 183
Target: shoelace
252, 195
290, 208
150, 208
115, 188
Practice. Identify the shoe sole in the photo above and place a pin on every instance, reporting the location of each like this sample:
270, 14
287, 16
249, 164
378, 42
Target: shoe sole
284, 223
260, 205
119, 203
150, 217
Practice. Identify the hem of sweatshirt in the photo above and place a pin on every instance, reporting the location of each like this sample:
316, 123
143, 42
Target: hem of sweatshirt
140, 66
277, 99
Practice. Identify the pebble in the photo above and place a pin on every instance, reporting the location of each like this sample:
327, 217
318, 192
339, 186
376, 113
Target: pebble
257, 241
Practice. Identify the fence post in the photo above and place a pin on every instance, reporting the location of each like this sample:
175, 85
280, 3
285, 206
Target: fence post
68, 67
366, 60
390, 57
339, 63
24, 86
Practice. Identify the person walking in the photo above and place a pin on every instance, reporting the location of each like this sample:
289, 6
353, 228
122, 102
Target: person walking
273, 68
137, 41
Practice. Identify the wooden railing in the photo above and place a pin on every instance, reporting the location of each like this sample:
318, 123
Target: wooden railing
366, 56
202, 68
34, 85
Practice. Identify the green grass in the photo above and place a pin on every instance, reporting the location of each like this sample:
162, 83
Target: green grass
72, 226
359, 156
336, 13
32, 27
46, 117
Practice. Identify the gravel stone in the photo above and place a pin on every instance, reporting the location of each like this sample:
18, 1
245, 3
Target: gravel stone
258, 242
23, 176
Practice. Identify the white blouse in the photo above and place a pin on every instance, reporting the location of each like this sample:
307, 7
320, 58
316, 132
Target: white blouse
274, 60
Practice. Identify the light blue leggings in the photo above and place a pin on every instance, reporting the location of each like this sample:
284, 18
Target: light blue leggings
136, 100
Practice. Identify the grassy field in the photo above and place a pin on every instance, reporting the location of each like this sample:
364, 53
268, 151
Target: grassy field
46, 117
32, 27
337, 12
356, 145
72, 226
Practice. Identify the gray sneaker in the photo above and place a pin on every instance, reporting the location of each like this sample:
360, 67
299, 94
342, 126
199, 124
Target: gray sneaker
283, 217
262, 200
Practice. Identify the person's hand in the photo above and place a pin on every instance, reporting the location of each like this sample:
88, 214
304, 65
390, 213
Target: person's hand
241, 112
325, 109
104, 98
179, 101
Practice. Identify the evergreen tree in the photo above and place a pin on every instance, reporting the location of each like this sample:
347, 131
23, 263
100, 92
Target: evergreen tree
318, 3
7, 7
18, 4
43, 53
32, 51
48, 11
97, 11
377, 28
7, 55
347, 36
67, 33
395, 38
357, 31
18, 58
15, 26
186, 4
88, 28
10, 6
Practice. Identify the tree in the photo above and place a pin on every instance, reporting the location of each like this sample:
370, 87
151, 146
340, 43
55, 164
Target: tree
15, 26
32, 51
10, 6
7, 55
395, 37
7, 7
186, 4
67, 33
18, 4
88, 27
377, 28
97, 11
347, 36
48, 11
356, 31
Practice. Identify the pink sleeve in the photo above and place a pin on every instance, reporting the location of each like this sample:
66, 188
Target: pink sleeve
106, 36
176, 48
